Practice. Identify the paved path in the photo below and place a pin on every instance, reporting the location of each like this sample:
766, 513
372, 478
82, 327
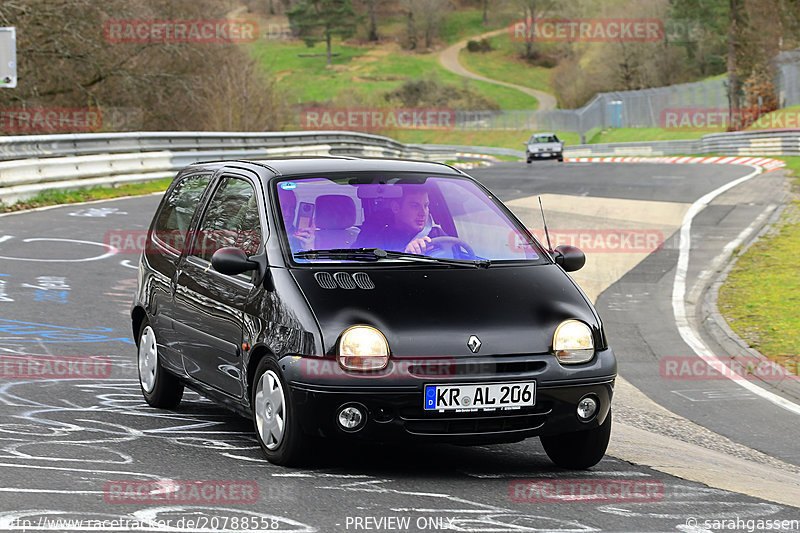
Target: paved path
449, 60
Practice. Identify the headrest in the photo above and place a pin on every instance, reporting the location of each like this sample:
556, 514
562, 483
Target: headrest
335, 211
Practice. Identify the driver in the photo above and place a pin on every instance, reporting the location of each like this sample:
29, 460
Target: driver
411, 213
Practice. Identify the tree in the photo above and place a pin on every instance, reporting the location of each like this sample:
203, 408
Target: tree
320, 20
531, 11
425, 16
372, 7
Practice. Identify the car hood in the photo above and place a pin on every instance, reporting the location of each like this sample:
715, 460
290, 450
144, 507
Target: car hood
433, 311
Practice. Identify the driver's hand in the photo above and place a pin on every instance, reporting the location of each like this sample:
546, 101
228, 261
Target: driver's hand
418, 246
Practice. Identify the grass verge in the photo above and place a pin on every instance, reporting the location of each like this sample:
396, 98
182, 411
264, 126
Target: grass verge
761, 296
503, 63
362, 74
56, 197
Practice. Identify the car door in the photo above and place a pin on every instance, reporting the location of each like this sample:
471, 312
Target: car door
209, 305
162, 253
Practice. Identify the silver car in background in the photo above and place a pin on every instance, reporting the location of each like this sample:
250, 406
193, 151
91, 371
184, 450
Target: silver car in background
544, 146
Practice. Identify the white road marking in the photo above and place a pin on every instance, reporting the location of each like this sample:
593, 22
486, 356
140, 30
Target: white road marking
110, 251
685, 328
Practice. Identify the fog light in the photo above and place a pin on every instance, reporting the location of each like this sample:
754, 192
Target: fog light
587, 407
351, 418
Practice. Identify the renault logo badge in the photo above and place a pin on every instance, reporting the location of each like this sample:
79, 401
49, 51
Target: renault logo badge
474, 343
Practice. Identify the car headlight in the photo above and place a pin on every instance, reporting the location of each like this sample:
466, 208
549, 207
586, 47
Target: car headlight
573, 343
363, 348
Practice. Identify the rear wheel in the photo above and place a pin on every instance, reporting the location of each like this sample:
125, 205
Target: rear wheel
579, 450
159, 387
274, 416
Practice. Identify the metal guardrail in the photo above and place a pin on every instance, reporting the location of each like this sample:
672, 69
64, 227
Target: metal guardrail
31, 164
752, 143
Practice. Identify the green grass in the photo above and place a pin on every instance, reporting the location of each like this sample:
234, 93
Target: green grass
466, 23
621, 135
360, 71
496, 138
57, 197
503, 63
761, 296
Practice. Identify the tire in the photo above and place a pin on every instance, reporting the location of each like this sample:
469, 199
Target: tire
561, 159
274, 416
529, 161
159, 388
578, 450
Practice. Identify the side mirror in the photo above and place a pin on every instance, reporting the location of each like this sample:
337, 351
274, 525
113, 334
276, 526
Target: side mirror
232, 261
569, 257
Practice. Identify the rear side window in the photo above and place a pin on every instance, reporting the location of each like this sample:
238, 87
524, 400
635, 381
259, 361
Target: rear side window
230, 220
173, 222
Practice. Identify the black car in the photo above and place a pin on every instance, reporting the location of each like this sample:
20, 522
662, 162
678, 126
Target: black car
368, 298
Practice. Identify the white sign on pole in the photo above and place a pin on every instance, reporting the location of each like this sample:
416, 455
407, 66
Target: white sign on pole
8, 58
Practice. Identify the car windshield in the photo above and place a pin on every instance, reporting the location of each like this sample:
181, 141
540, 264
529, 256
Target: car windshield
544, 139
413, 218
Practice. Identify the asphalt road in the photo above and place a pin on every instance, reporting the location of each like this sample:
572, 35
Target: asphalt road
66, 445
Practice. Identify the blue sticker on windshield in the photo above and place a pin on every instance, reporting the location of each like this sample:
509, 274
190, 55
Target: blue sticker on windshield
288, 186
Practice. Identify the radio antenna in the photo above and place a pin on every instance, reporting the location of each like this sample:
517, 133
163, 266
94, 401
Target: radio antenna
546, 234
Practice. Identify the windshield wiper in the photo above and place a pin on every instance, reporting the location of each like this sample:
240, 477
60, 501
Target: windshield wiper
379, 253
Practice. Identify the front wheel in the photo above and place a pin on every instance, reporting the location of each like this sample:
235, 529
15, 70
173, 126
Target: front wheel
159, 387
274, 416
579, 450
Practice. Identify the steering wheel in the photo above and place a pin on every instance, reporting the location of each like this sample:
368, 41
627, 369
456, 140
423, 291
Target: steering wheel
451, 247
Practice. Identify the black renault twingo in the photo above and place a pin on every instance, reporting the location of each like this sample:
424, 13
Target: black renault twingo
368, 298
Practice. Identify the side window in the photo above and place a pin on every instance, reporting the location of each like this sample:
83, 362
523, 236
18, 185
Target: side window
176, 215
230, 220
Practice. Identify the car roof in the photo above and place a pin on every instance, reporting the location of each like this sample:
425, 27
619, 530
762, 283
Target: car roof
291, 166
545, 134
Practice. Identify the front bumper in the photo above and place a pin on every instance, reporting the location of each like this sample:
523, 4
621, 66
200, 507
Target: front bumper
545, 155
394, 407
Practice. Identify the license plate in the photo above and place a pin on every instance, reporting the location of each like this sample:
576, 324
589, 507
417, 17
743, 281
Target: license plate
483, 397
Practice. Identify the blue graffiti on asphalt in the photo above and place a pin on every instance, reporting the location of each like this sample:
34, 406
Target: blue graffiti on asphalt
48, 333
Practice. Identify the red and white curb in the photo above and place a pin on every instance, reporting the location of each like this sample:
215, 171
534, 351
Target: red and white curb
483, 160
764, 162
